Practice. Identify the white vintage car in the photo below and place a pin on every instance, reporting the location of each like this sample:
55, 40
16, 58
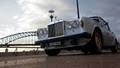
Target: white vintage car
88, 34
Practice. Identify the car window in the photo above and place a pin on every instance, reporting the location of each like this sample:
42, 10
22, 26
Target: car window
95, 19
105, 24
102, 22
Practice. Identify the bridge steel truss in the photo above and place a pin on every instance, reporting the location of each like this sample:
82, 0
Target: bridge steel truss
6, 40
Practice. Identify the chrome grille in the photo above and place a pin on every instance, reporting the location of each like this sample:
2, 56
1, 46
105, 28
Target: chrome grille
56, 29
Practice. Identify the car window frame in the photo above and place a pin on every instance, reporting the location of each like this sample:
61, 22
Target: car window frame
95, 18
105, 24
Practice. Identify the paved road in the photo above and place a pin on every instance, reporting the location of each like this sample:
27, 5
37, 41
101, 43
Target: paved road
73, 60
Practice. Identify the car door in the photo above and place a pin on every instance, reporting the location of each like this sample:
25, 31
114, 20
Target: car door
105, 32
110, 36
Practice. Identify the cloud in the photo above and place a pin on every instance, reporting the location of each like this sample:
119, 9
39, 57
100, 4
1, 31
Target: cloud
36, 13
15, 17
6, 30
107, 9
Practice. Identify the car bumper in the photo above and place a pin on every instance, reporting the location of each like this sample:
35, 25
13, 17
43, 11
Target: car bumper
81, 35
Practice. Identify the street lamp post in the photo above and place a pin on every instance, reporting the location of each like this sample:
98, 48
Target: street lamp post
51, 17
51, 14
78, 9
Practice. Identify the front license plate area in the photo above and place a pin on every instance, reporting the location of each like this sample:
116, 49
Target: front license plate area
55, 43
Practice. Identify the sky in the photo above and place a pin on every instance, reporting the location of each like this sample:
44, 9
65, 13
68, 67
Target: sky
28, 15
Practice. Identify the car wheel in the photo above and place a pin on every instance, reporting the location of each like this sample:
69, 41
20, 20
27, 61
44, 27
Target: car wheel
96, 43
114, 48
52, 52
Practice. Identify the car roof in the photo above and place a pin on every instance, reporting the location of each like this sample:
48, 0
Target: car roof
95, 17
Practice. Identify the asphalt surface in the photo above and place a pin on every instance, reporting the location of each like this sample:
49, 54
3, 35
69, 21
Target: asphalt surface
64, 60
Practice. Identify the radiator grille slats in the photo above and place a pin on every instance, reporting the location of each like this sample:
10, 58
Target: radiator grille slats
56, 29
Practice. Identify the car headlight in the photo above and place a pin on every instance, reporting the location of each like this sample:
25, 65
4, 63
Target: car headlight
41, 32
75, 24
45, 31
72, 24
69, 25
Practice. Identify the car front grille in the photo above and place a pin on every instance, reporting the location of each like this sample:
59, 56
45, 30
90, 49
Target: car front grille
56, 29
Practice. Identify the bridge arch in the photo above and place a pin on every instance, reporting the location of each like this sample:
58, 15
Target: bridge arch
10, 38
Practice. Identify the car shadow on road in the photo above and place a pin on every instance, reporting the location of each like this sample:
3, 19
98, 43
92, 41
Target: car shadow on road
82, 54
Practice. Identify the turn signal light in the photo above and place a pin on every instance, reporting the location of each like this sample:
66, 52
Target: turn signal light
37, 33
81, 24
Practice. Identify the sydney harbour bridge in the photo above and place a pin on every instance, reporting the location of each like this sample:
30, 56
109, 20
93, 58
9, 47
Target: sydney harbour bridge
14, 37
19, 39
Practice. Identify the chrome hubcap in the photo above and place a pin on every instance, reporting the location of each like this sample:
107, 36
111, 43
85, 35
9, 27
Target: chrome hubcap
98, 42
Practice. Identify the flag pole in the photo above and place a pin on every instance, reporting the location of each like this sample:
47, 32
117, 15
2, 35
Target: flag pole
78, 9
